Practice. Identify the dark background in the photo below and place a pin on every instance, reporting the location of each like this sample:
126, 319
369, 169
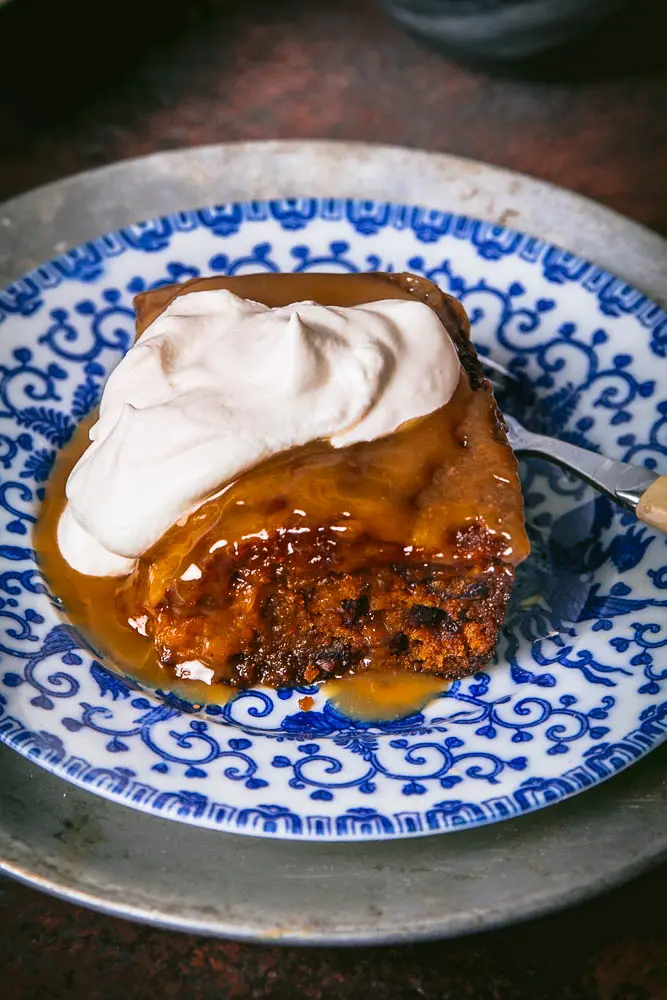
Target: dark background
154, 75
144, 76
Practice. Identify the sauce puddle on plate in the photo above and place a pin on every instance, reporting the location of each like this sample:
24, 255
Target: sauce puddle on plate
383, 697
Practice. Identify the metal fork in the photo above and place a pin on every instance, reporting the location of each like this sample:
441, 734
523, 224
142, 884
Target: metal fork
631, 486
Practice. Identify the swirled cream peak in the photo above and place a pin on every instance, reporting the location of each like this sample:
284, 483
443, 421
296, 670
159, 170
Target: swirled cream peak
218, 383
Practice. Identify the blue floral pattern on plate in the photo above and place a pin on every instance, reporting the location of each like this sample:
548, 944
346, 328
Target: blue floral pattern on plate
579, 688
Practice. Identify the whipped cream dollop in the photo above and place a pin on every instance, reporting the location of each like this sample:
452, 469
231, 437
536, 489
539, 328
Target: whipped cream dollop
218, 383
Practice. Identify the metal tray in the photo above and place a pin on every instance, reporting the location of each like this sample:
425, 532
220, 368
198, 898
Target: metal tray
83, 848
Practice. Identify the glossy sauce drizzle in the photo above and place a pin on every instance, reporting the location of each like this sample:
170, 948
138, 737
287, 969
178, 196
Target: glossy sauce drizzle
416, 488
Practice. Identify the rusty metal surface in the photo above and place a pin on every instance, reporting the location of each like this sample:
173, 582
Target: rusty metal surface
165, 75
83, 848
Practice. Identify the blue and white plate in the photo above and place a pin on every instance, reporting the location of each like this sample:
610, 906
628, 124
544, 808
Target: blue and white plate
578, 690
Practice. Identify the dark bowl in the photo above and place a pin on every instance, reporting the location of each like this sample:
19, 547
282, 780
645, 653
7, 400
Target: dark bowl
577, 35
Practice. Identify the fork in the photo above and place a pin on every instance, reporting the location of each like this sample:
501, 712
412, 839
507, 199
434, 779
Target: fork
632, 487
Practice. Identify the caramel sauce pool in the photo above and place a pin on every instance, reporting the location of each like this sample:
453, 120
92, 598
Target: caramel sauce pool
89, 602
377, 696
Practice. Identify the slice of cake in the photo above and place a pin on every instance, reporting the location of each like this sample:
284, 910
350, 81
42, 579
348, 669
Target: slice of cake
299, 477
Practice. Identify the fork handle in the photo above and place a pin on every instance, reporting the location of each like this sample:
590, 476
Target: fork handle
632, 486
652, 506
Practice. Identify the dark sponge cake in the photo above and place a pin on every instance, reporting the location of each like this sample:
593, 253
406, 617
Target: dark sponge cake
397, 553
305, 629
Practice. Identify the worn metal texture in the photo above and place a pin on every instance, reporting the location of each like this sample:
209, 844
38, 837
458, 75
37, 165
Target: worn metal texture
83, 848
44, 222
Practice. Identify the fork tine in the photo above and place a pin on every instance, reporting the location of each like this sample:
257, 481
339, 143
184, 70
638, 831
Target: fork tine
500, 378
514, 391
